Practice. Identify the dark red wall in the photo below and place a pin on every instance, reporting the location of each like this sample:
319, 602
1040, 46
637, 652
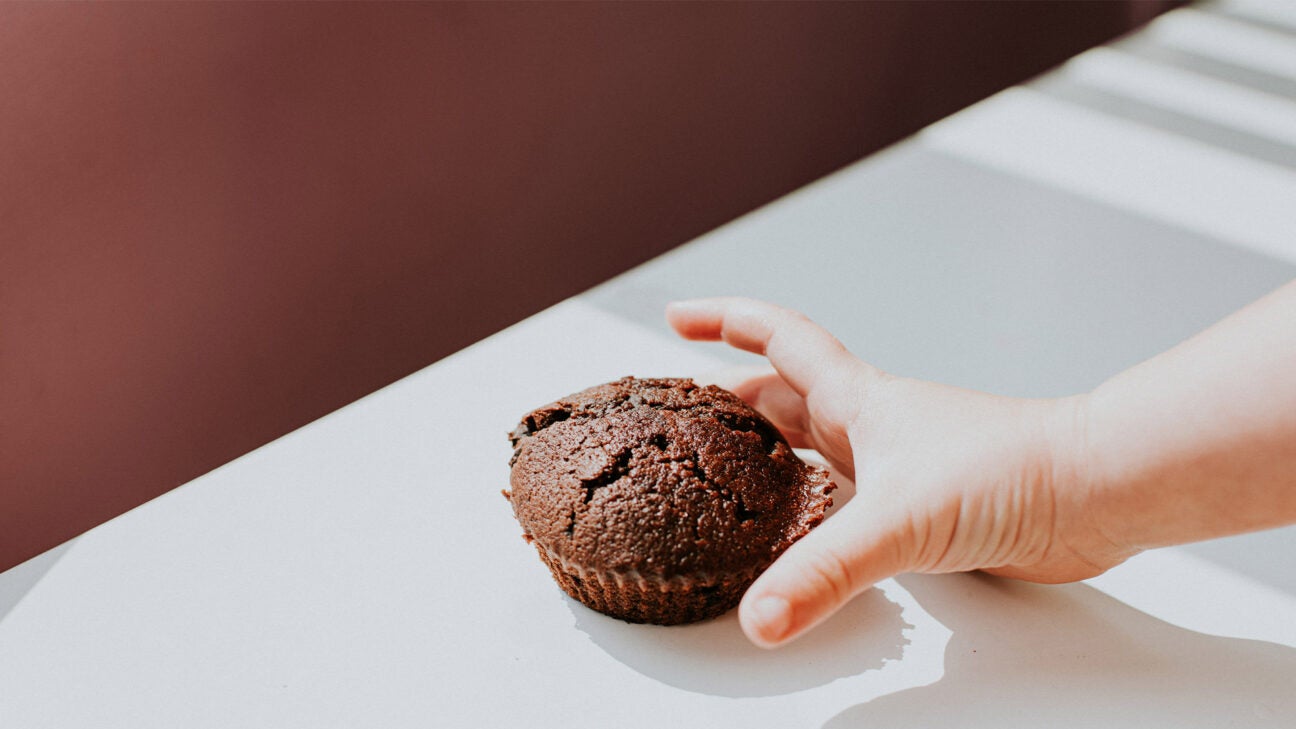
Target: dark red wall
219, 222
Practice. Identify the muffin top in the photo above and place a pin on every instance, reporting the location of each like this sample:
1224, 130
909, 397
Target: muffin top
661, 478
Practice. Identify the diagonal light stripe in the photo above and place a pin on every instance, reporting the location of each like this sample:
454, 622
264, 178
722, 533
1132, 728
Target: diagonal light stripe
1226, 40
1278, 12
1128, 166
1265, 115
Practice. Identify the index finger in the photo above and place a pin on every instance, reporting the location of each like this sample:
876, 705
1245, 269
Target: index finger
804, 353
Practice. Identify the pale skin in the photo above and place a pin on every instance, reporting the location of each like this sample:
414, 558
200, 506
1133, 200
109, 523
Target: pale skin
1195, 443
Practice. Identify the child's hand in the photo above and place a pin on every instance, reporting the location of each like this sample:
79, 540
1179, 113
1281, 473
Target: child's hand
947, 479
1197, 442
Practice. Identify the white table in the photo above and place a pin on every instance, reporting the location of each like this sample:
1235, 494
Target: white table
365, 571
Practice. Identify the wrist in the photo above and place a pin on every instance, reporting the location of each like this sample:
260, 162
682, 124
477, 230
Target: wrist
1087, 517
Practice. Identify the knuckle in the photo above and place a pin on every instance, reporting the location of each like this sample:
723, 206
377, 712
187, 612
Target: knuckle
735, 332
787, 328
747, 310
832, 574
781, 318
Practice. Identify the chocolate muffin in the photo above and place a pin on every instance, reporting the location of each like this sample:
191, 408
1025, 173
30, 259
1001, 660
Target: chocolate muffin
657, 500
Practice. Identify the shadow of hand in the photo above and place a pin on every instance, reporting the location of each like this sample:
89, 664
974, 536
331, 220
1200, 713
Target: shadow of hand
1032, 655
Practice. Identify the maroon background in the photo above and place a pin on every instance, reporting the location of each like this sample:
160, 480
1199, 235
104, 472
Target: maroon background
219, 222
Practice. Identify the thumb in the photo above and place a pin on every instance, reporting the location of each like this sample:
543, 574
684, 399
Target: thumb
815, 577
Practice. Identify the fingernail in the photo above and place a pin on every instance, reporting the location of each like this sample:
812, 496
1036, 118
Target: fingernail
774, 616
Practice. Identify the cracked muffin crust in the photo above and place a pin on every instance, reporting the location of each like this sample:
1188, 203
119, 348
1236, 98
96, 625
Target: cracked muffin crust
657, 500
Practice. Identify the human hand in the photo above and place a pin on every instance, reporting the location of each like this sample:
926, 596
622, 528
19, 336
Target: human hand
947, 480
